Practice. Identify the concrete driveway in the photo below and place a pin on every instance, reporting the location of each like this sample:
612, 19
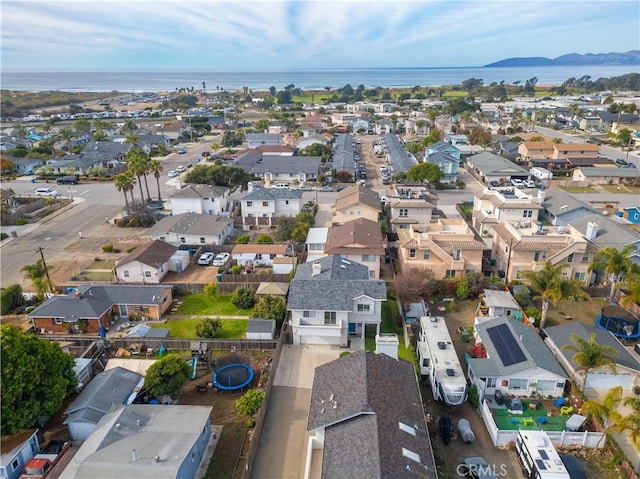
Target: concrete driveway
282, 445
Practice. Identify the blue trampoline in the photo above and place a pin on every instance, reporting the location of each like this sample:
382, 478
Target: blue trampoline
619, 322
233, 376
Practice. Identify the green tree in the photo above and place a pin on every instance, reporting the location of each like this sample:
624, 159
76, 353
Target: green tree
551, 286
607, 410
262, 125
167, 375
37, 376
82, 126
37, 274
615, 263
317, 149
137, 164
125, 182
210, 290
155, 167
589, 354
271, 307
243, 239
425, 172
243, 298
631, 422
250, 403
209, 328
67, 135
264, 239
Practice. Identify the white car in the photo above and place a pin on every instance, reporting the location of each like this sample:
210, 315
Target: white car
181, 168
47, 192
173, 174
529, 183
517, 183
221, 259
205, 259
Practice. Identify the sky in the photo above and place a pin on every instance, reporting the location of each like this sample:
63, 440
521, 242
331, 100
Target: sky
282, 35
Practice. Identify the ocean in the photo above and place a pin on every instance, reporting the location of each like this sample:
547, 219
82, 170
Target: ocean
318, 79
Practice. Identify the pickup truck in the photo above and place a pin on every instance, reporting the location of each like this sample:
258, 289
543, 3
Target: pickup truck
41, 464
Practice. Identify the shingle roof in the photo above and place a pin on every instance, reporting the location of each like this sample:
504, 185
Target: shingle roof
610, 232
356, 194
495, 165
191, 223
335, 288
193, 190
356, 400
557, 202
359, 236
153, 254
266, 194
592, 171
288, 164
401, 160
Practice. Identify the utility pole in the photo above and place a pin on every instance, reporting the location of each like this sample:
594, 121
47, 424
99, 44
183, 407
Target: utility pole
46, 271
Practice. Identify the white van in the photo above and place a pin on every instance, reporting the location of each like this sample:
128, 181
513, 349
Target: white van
47, 192
281, 185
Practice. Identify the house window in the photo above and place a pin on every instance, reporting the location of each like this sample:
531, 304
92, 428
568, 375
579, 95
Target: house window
403, 227
202, 240
147, 274
368, 257
412, 253
193, 455
162, 238
426, 254
539, 255
364, 308
15, 464
456, 254
404, 212
330, 317
450, 273
372, 274
518, 384
491, 382
183, 239
570, 258
125, 273
249, 204
308, 314
585, 257
579, 276
506, 249
265, 203
469, 271
527, 213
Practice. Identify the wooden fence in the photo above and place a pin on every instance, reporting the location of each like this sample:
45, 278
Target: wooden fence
172, 344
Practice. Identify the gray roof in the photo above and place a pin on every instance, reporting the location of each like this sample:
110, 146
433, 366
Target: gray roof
561, 335
268, 137
442, 157
193, 190
592, 171
94, 300
248, 160
107, 389
266, 194
343, 143
401, 160
535, 350
559, 202
151, 430
499, 299
260, 325
104, 150
191, 223
492, 165
355, 399
610, 232
335, 288
288, 164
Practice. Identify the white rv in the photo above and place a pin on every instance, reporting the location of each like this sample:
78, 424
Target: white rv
538, 457
439, 361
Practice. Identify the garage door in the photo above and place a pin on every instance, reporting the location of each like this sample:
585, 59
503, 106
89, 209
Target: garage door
319, 340
608, 380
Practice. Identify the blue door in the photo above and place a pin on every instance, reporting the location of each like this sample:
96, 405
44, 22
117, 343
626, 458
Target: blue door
352, 328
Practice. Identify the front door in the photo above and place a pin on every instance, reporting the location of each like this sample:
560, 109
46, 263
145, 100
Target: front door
352, 328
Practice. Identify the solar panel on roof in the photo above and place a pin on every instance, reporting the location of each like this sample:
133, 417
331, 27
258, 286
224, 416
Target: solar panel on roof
543, 454
508, 348
541, 464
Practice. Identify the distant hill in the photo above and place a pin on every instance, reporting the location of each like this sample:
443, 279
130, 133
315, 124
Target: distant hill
631, 57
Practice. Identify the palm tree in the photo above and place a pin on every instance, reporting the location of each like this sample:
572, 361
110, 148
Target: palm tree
131, 139
137, 164
616, 264
551, 285
125, 182
36, 273
155, 167
631, 422
67, 135
606, 411
20, 129
589, 354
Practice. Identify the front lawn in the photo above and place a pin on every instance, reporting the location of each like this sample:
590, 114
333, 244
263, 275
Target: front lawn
203, 305
185, 328
575, 189
389, 313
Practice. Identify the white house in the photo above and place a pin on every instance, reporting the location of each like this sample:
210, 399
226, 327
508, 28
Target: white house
192, 229
499, 206
263, 206
518, 363
201, 199
333, 299
495, 304
411, 205
147, 264
315, 242
269, 255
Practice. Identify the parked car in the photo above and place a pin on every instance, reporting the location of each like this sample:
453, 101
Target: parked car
206, 259
281, 186
494, 184
181, 168
181, 151
446, 428
326, 188
304, 188
529, 183
47, 192
173, 174
68, 180
221, 259
517, 183
477, 467
340, 188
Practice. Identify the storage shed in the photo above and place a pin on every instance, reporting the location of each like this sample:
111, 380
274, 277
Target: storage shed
261, 329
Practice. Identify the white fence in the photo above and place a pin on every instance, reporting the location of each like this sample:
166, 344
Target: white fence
558, 438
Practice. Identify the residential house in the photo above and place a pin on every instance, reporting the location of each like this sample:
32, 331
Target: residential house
314, 123
561, 208
16, 450
25, 166
89, 307
148, 263
447, 157
411, 204
491, 167
607, 120
605, 176
266, 150
276, 256
496, 304
333, 299
361, 426
192, 229
258, 139
603, 378
498, 206
262, 207
144, 440
400, 160
508, 149
539, 153
604, 231
280, 168
315, 243
356, 202
343, 154
528, 245
444, 248
517, 362
201, 199
107, 389
631, 214
358, 240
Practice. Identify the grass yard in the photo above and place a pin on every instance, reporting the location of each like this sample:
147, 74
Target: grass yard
622, 189
574, 189
389, 313
511, 422
203, 305
185, 328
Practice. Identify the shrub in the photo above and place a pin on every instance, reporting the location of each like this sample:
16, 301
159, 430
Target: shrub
132, 249
250, 403
264, 239
462, 291
10, 298
533, 312
243, 239
243, 298
107, 248
209, 328
236, 269
21, 221
474, 397
3, 235
210, 290
522, 297
133, 223
452, 306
